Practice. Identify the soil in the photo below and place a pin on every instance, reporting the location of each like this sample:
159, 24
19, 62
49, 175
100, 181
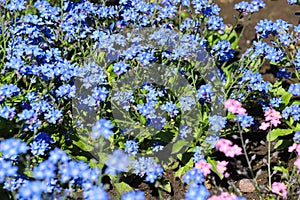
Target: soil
275, 9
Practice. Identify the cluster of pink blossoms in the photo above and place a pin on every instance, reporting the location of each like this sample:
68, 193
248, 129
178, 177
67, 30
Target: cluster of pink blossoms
272, 117
223, 196
222, 167
280, 189
235, 107
205, 167
297, 148
227, 147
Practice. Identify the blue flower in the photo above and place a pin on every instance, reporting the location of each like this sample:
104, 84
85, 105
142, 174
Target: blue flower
286, 39
32, 190
95, 193
45, 171
256, 5
8, 152
66, 91
275, 102
7, 112
145, 58
295, 89
102, 128
223, 50
7, 169
205, 92
186, 102
215, 23
146, 166
124, 99
245, 120
131, 147
297, 31
297, 60
291, 2
8, 90
16, 5
283, 73
157, 146
197, 192
117, 162
212, 140
293, 111
194, 175
134, 195
147, 109
98, 94
265, 27
53, 116
242, 7
58, 155
297, 137
198, 154
217, 123
120, 67
157, 122
184, 131
12, 184
171, 108
38, 148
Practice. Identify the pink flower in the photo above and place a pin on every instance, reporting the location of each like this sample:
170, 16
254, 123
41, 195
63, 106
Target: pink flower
223, 196
226, 175
203, 166
292, 148
235, 150
295, 147
235, 107
226, 147
279, 188
264, 126
271, 117
221, 166
223, 143
297, 164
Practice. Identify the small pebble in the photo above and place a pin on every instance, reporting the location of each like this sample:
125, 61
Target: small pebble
207, 185
246, 185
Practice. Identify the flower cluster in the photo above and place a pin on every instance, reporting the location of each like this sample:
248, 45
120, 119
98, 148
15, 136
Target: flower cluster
227, 147
225, 196
279, 188
235, 107
146, 166
253, 6
203, 166
272, 117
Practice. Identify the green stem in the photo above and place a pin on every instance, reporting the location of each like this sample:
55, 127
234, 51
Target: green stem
269, 160
244, 149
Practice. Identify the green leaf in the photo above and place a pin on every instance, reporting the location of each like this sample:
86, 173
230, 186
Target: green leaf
284, 171
179, 145
28, 173
122, 188
278, 143
182, 170
82, 158
184, 14
286, 97
84, 146
230, 116
165, 185
214, 167
275, 133
233, 39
